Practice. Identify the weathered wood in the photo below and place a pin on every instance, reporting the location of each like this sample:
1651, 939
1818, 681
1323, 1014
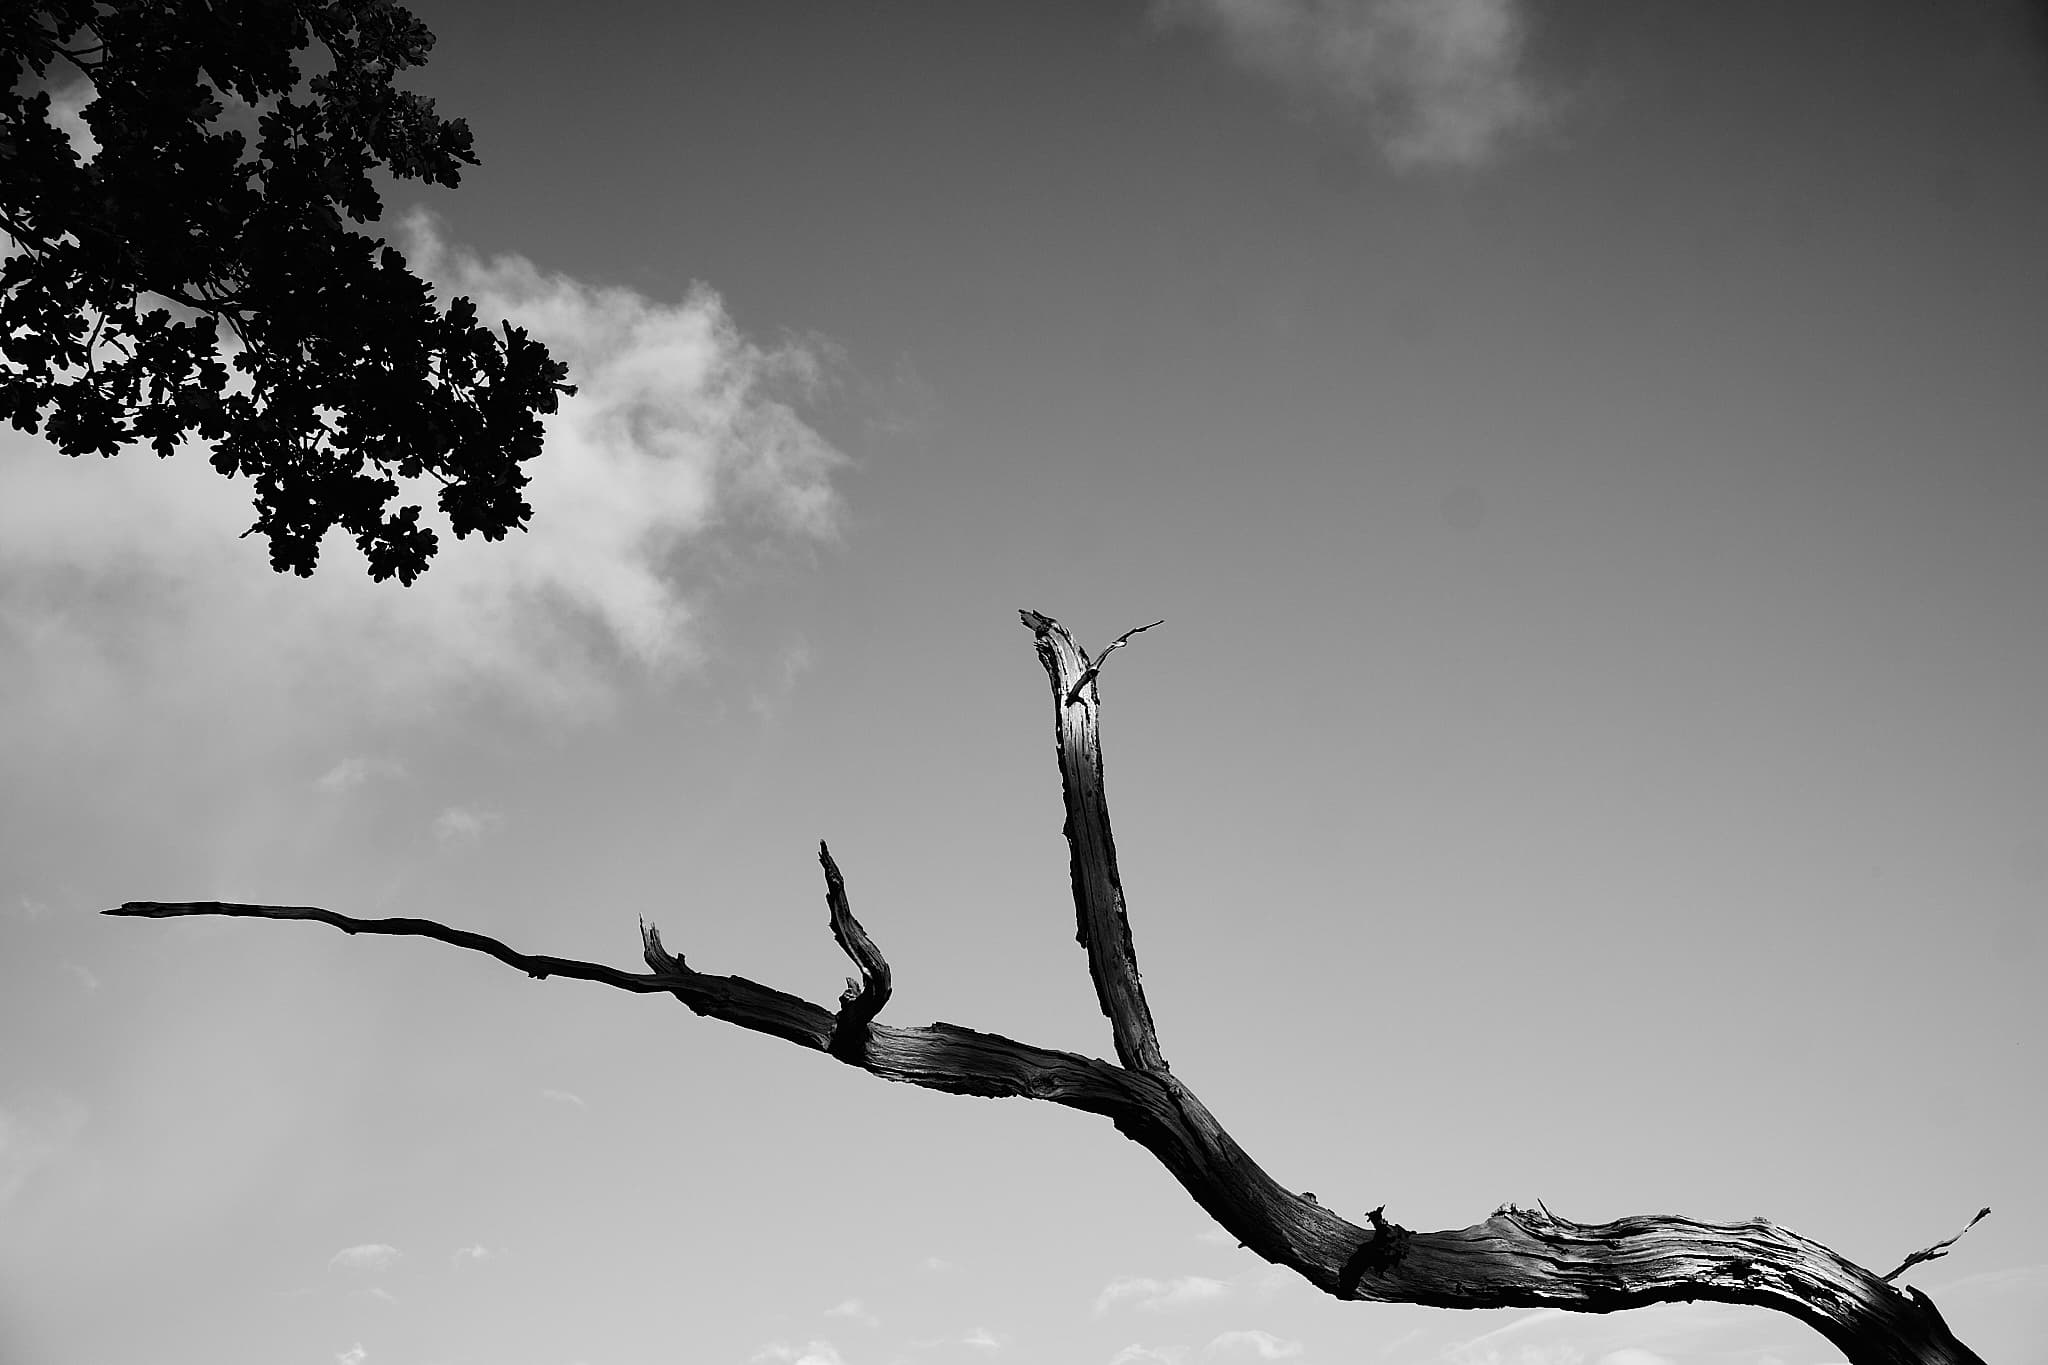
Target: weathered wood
865, 995
1104, 928
1514, 1258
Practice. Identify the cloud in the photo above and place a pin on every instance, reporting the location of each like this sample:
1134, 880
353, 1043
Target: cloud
1264, 1345
130, 608
812, 1353
1533, 1319
87, 982
351, 773
935, 1265
1135, 1354
1270, 1281
1412, 1334
1438, 82
1551, 1336
1161, 1295
473, 1252
461, 824
368, 1256
680, 428
564, 1097
853, 1310
981, 1339
354, 1355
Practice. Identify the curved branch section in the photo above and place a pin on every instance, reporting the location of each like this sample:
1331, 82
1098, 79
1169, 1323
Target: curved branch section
1104, 928
862, 999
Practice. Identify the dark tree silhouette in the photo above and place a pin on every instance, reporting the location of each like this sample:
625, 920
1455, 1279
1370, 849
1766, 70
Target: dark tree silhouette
1515, 1258
127, 265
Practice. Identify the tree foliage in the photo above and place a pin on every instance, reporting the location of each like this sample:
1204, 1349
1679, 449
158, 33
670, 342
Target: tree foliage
128, 262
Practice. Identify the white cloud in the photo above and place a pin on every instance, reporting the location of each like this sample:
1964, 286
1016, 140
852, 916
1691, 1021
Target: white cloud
1412, 1334
132, 609
680, 427
853, 1310
1551, 1336
473, 1252
86, 980
368, 1256
353, 772
1526, 1353
564, 1097
981, 1339
1269, 1281
462, 824
1264, 1345
354, 1355
1439, 82
811, 1353
1161, 1295
935, 1265
1533, 1319
1135, 1354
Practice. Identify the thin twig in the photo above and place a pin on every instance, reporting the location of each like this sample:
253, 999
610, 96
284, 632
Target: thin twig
1094, 667
1938, 1250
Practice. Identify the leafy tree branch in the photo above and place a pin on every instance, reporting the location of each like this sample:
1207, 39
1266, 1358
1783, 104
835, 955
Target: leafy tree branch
143, 274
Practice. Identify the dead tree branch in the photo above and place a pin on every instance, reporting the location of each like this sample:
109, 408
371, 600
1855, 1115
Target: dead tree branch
1514, 1258
1937, 1251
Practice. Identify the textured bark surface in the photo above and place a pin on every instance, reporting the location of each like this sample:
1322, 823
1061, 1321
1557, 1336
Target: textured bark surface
1515, 1258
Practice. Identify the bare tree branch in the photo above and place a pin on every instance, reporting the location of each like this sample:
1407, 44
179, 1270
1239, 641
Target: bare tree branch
862, 999
1514, 1258
1938, 1250
1104, 929
1094, 668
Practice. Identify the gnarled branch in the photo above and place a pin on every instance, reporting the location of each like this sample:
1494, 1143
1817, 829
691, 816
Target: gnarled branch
862, 999
1514, 1258
1104, 929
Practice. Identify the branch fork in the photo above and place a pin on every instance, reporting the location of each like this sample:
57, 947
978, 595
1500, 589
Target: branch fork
1515, 1258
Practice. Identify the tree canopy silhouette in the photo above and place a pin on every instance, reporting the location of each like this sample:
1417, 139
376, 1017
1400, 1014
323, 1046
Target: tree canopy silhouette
128, 262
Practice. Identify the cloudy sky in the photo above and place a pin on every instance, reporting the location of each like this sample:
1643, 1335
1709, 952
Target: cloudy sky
1588, 459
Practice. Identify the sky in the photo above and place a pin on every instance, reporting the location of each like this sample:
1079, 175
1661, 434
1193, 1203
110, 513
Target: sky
1587, 459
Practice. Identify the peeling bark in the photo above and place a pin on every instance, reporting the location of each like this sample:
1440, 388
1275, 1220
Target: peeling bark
1515, 1258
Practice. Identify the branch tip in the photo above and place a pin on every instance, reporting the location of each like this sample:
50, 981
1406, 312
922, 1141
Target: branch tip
1101, 923
1094, 666
659, 959
1937, 1251
864, 997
